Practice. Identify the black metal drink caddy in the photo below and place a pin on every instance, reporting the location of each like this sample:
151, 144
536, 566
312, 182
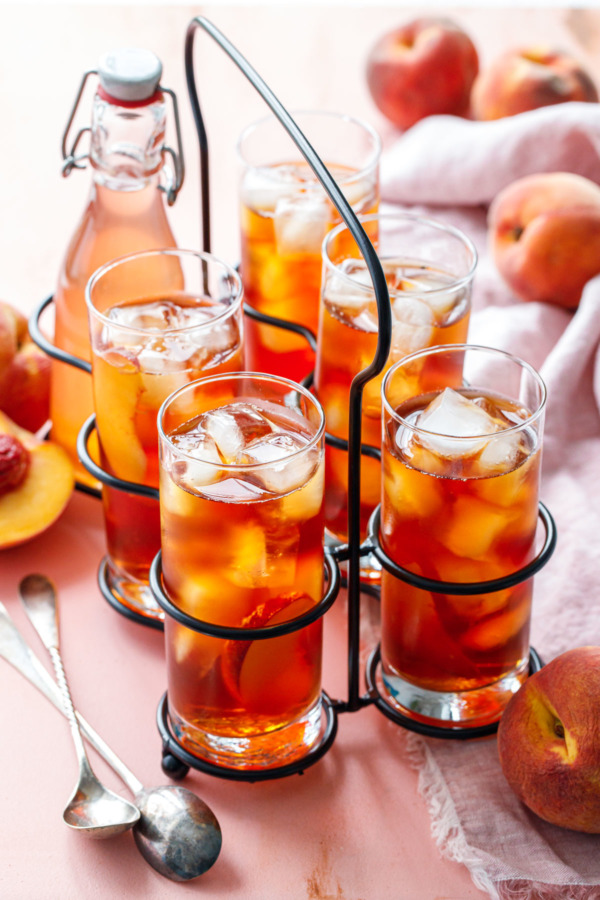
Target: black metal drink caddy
176, 760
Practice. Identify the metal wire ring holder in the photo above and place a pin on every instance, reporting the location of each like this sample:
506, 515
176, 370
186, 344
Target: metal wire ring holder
373, 544
353, 550
176, 759
128, 487
100, 474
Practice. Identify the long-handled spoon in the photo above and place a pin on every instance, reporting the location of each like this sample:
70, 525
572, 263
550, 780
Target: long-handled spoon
92, 809
178, 833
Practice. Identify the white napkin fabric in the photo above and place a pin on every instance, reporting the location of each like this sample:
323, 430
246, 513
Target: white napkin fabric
447, 167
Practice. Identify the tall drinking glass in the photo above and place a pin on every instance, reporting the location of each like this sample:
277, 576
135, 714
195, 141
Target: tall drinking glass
429, 269
241, 497
285, 214
462, 437
158, 320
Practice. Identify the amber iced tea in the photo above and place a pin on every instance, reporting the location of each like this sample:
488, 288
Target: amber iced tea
285, 214
429, 269
461, 470
242, 546
144, 348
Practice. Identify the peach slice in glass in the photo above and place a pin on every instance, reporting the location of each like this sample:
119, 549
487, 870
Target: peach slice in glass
117, 388
275, 675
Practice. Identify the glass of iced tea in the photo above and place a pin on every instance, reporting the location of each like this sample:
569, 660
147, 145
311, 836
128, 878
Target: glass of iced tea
462, 436
285, 214
241, 498
158, 320
429, 269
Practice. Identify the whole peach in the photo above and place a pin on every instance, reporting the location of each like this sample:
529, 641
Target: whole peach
24, 372
525, 79
549, 741
423, 68
13, 328
544, 232
25, 388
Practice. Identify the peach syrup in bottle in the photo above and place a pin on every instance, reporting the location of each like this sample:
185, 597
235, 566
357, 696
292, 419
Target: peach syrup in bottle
125, 212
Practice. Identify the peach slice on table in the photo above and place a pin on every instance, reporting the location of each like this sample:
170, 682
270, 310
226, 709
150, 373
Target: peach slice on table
273, 675
31, 502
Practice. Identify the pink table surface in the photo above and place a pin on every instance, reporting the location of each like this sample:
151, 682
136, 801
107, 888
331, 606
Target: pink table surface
353, 827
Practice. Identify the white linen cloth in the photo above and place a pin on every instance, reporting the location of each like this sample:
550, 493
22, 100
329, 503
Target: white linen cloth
451, 169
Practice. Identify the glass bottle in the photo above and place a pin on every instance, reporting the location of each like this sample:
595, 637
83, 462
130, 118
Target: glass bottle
125, 212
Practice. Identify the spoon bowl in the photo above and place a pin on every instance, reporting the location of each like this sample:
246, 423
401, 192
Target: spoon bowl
92, 809
96, 811
177, 833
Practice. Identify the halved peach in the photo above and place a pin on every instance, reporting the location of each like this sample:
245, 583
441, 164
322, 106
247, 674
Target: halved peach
33, 505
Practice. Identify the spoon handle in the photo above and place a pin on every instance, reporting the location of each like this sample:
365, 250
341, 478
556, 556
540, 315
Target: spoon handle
15, 650
39, 599
69, 708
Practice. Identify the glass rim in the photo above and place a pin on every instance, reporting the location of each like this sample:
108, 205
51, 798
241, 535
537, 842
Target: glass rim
238, 376
234, 302
370, 165
453, 348
456, 284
